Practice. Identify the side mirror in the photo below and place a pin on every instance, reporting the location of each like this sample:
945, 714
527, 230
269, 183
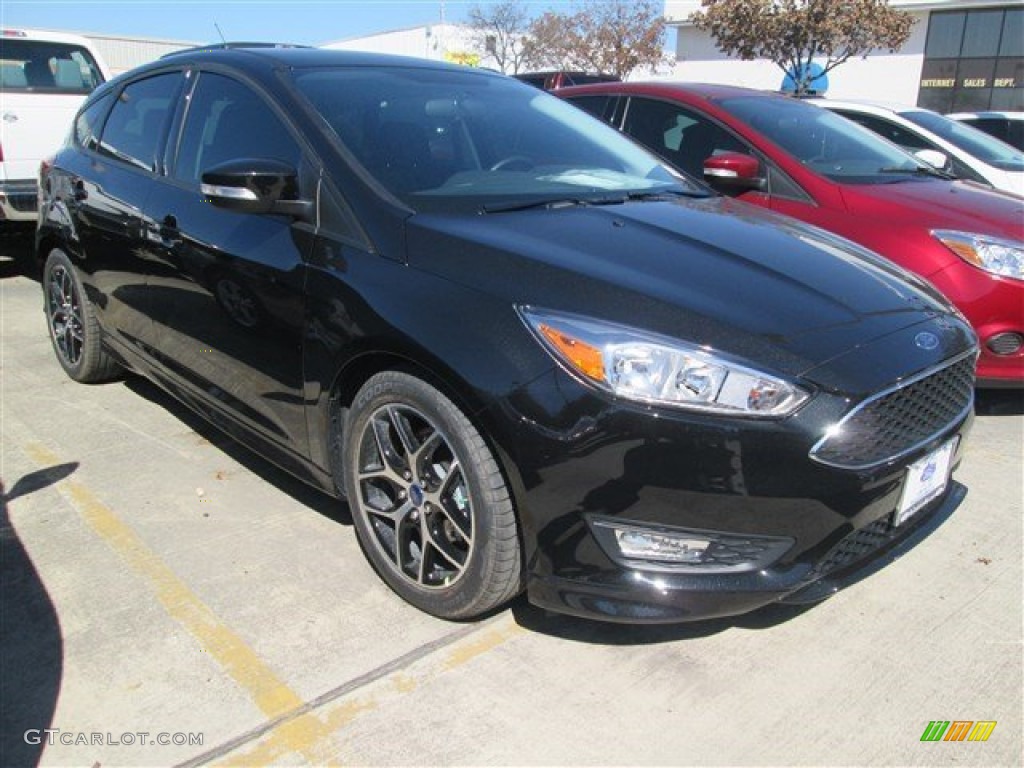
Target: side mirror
253, 185
933, 157
734, 171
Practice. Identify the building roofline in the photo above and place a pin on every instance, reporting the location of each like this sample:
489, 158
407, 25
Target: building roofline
107, 36
395, 31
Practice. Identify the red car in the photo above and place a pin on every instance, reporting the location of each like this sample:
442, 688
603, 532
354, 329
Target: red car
796, 158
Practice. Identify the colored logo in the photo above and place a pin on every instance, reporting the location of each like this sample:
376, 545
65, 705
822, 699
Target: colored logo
416, 496
958, 730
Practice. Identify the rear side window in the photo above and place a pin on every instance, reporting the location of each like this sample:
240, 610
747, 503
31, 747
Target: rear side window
598, 106
1010, 131
87, 124
134, 130
40, 66
895, 133
993, 126
228, 121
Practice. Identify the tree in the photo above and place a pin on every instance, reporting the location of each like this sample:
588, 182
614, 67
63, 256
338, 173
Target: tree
610, 36
791, 33
500, 30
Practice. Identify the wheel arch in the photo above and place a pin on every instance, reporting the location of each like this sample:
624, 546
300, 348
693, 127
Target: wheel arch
351, 377
356, 372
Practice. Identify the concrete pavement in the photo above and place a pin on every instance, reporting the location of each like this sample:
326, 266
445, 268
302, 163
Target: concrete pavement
159, 579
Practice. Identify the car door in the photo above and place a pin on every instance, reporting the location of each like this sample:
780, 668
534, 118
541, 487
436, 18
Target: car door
230, 339
111, 179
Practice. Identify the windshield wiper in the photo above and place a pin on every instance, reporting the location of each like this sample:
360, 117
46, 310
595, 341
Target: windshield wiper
551, 203
664, 194
919, 170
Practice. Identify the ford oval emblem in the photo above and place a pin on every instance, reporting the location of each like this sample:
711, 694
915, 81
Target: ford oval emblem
926, 340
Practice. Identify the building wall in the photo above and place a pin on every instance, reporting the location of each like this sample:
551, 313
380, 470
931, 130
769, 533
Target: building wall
882, 76
438, 42
124, 53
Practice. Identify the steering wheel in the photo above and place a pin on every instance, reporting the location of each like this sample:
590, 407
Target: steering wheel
506, 163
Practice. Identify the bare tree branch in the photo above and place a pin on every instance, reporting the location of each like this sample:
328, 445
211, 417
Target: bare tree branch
611, 36
500, 31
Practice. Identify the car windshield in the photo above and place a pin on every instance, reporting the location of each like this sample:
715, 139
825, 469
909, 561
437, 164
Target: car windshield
969, 139
831, 145
449, 140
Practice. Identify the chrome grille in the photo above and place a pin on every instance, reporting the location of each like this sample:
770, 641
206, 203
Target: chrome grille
897, 421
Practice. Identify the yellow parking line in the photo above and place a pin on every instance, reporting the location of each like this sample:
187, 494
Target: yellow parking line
273, 697
277, 743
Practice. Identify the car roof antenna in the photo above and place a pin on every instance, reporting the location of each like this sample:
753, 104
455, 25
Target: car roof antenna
217, 27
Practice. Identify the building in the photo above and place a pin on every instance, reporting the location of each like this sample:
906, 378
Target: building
962, 55
124, 53
439, 42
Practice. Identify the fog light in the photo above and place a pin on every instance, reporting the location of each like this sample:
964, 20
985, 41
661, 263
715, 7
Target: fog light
660, 546
1006, 343
655, 547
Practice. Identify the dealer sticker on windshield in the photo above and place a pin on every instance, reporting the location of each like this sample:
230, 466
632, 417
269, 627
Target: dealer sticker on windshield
926, 479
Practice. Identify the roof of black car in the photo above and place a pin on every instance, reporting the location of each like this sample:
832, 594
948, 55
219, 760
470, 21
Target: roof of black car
302, 56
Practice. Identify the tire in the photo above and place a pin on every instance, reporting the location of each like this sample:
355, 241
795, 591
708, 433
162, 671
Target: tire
431, 509
71, 320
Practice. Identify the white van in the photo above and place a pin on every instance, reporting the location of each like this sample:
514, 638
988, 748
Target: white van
44, 77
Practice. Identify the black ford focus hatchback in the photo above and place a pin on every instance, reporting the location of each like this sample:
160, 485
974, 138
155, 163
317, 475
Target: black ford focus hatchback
528, 355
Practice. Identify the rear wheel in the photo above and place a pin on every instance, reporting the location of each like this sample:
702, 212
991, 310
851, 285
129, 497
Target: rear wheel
430, 506
71, 319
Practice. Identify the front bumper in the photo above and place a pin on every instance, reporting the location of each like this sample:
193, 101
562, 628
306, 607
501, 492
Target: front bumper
638, 597
995, 308
583, 457
19, 200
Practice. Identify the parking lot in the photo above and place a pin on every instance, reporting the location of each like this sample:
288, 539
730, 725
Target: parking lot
169, 598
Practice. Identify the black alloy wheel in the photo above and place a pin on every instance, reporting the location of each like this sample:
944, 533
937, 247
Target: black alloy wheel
72, 323
429, 503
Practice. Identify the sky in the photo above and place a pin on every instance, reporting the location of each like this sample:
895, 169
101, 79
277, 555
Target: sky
307, 22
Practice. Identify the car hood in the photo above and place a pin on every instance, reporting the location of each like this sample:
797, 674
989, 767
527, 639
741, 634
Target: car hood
1010, 181
938, 204
741, 280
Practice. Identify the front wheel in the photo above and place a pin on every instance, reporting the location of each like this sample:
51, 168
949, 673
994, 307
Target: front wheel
71, 319
430, 506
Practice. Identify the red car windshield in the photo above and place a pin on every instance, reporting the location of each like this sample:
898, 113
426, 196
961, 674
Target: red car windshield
825, 142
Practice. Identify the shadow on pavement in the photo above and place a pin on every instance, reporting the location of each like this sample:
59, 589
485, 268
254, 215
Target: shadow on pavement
526, 615
999, 402
32, 661
307, 495
16, 254
605, 633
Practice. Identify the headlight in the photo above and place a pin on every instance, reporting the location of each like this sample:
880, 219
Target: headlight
993, 254
648, 368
